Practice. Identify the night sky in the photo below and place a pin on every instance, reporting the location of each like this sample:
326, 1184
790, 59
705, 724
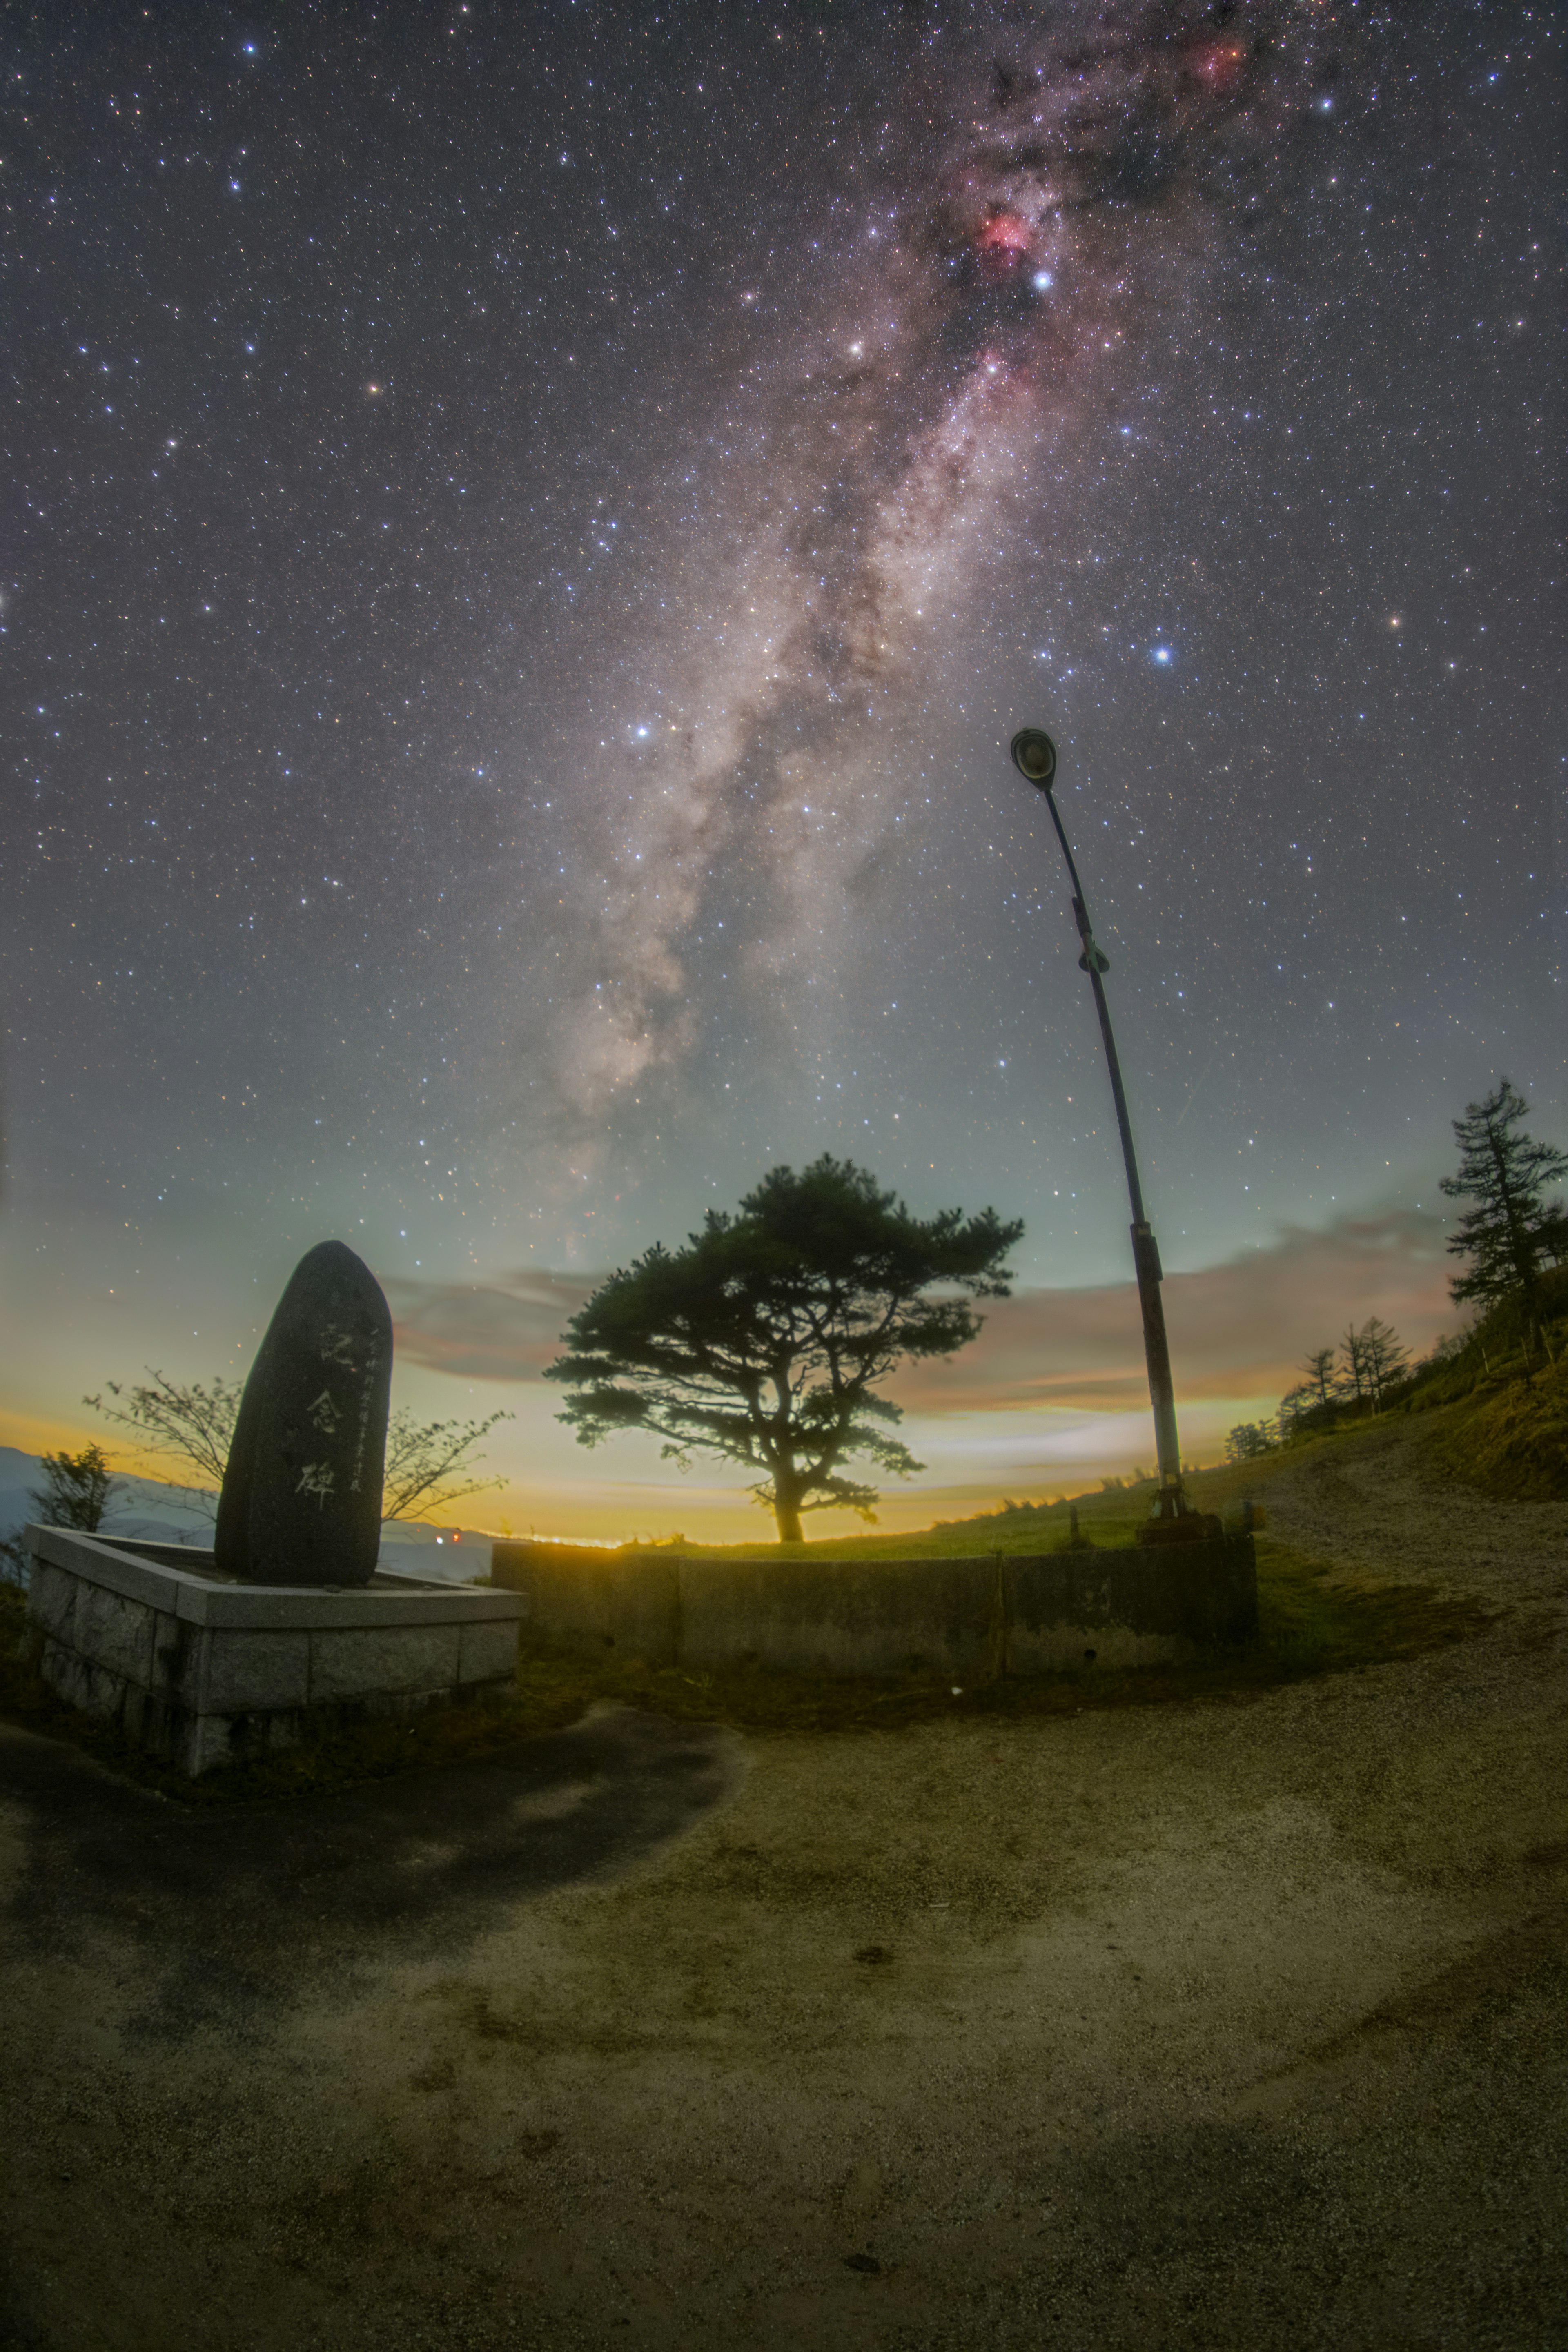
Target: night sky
531, 531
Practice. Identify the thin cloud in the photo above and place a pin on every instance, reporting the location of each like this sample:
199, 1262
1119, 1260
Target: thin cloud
505, 1330
1237, 1330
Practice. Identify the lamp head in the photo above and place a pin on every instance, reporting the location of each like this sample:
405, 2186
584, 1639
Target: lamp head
1035, 757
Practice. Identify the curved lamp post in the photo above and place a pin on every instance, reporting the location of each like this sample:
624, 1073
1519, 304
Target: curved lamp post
1173, 1516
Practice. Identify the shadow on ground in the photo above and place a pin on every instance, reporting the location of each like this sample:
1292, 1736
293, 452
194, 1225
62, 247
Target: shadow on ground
240, 1910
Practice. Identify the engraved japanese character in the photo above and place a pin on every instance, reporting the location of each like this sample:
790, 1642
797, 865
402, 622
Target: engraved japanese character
324, 1414
317, 1478
335, 1346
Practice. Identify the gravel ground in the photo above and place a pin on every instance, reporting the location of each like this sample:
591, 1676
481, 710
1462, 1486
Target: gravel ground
1240, 2024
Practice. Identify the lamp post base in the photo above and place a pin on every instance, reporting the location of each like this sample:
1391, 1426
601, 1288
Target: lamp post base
1171, 1519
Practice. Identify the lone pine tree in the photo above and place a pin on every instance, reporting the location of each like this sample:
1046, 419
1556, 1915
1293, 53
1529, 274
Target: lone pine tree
764, 1338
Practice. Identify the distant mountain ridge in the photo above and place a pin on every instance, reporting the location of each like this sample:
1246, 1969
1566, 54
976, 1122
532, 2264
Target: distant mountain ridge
159, 1512
142, 1507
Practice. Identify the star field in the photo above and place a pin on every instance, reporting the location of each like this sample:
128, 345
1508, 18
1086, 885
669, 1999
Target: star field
532, 529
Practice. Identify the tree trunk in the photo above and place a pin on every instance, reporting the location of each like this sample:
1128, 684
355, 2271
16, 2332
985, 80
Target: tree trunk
787, 1492
788, 1518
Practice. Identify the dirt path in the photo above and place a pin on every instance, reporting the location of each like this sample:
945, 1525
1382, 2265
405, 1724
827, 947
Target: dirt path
1231, 2025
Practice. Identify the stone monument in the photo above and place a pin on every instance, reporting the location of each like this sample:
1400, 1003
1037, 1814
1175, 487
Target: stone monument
285, 1631
301, 1496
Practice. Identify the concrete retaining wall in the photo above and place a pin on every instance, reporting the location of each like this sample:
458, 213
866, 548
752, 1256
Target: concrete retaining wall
202, 1671
995, 1613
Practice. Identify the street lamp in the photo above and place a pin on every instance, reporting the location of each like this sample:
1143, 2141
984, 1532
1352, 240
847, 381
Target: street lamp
1173, 1518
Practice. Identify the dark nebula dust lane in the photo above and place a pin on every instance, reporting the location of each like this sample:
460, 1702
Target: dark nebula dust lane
531, 529
1026, 197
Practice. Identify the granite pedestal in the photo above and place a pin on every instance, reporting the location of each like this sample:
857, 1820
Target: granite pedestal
201, 1670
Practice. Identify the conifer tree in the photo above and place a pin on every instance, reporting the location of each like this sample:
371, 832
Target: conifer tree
1352, 1383
1512, 1232
1384, 1360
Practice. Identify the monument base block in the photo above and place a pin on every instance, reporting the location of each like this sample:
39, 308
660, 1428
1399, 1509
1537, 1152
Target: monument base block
200, 1670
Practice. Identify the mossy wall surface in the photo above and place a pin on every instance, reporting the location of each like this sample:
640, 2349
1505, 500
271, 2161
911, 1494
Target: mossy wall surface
990, 1612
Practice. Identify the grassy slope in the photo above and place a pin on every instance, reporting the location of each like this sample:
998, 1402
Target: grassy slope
1490, 1429
1512, 1441
1108, 1517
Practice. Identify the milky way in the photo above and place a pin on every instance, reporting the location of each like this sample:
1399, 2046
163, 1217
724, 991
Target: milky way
1022, 193
534, 530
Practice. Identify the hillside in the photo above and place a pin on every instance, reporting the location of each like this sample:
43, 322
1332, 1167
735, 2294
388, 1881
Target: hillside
1504, 1443
1470, 1419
